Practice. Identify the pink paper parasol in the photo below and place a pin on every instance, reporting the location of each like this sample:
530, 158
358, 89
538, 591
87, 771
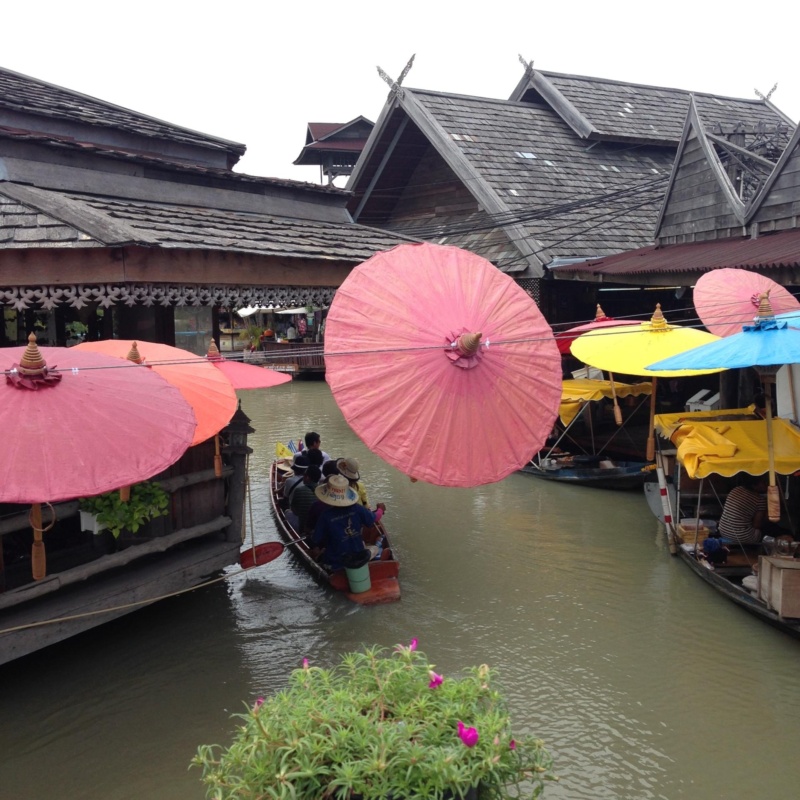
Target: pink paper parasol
80, 427
95, 429
726, 299
442, 364
245, 376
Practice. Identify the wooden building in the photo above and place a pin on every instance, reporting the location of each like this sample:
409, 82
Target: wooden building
732, 201
568, 168
138, 228
334, 146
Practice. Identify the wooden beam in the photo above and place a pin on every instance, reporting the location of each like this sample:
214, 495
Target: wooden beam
61, 267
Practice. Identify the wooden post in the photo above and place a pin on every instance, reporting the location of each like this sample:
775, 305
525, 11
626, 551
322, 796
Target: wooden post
237, 452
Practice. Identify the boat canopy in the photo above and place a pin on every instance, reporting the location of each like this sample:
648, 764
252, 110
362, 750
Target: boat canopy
727, 442
577, 392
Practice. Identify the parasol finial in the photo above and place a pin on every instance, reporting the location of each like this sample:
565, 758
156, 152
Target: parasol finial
32, 362
468, 343
764, 306
599, 315
213, 353
133, 354
658, 321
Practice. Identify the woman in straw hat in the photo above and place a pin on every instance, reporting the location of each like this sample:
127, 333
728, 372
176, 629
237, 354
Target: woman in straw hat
338, 529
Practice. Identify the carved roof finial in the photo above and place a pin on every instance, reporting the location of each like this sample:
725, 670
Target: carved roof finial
395, 85
527, 64
766, 97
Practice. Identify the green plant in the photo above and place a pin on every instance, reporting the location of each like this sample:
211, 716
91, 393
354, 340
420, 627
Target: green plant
252, 335
148, 500
382, 725
76, 330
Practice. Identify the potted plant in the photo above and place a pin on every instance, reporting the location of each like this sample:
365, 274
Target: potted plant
380, 724
76, 332
147, 500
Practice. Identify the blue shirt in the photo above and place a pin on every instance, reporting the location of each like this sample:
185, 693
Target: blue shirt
338, 530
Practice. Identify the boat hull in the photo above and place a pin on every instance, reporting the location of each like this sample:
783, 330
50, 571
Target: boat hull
384, 575
737, 593
626, 475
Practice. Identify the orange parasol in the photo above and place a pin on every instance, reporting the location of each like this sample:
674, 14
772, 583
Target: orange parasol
207, 390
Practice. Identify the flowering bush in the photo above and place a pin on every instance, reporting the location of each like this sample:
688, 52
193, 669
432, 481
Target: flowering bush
381, 724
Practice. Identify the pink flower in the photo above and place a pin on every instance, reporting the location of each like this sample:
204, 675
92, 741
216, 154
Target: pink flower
305, 663
436, 680
467, 735
512, 745
259, 702
413, 646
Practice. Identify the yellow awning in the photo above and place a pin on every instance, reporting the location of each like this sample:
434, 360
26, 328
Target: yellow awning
717, 443
576, 393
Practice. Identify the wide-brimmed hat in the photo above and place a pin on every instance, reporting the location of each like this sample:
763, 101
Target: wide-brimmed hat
349, 468
284, 465
299, 465
336, 491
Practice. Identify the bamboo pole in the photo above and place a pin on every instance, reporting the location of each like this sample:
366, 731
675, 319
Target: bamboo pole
651, 436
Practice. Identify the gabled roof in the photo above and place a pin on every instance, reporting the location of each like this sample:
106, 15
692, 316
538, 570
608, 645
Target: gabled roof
334, 137
598, 108
35, 98
72, 219
550, 193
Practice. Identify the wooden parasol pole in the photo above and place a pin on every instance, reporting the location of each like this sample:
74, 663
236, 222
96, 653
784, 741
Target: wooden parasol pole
617, 410
773, 495
651, 436
38, 556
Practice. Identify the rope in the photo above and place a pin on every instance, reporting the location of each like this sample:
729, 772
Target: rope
123, 606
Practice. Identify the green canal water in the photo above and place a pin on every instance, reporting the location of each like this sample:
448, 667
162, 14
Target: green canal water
642, 681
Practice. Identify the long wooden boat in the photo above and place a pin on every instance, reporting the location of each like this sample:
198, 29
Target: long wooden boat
383, 574
590, 471
727, 580
766, 585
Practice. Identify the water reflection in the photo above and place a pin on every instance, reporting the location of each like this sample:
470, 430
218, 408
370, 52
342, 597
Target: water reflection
643, 682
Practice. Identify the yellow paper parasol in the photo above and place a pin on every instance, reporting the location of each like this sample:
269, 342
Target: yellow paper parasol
629, 350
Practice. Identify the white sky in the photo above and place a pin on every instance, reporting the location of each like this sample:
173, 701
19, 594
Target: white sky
256, 73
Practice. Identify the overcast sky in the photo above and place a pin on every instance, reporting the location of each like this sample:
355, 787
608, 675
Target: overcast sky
257, 73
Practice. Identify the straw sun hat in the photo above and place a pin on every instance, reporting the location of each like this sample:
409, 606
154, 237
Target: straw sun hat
349, 468
336, 492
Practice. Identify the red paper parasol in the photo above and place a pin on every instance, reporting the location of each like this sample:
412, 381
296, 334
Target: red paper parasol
564, 339
245, 376
726, 299
442, 364
205, 388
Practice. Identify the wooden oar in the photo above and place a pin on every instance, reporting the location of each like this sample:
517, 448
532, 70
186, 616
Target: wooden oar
266, 552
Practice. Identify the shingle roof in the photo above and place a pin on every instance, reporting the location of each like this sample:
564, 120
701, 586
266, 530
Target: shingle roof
536, 164
621, 110
25, 94
114, 221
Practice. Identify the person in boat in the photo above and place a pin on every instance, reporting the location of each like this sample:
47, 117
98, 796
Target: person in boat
744, 514
303, 497
300, 464
338, 531
350, 469
329, 468
314, 442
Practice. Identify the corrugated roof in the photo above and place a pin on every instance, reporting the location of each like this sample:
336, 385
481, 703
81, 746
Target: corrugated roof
769, 251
